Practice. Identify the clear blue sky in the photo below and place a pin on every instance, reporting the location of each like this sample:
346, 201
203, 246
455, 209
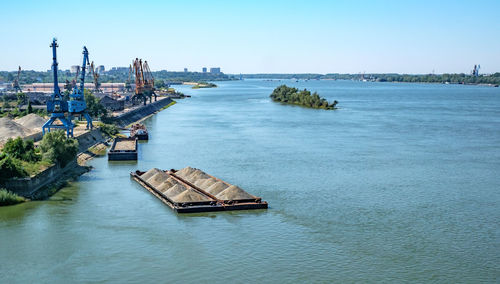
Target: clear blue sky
256, 36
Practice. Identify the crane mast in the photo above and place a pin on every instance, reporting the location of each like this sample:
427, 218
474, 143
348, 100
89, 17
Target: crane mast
57, 106
77, 104
16, 86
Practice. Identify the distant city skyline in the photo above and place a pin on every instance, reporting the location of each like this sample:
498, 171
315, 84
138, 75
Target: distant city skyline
413, 37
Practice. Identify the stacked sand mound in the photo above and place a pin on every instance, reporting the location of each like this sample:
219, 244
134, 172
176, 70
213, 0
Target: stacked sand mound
234, 193
216, 188
209, 184
171, 188
11, 129
31, 121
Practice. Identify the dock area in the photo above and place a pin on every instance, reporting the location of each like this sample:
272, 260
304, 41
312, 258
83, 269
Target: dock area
123, 149
191, 190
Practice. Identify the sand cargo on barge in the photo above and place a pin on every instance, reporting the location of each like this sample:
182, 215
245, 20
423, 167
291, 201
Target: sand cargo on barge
191, 190
123, 149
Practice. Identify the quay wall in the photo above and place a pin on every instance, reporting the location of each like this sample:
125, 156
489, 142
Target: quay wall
141, 112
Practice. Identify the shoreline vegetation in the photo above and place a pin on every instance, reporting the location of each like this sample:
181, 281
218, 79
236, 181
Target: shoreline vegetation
463, 79
9, 198
20, 159
203, 85
288, 95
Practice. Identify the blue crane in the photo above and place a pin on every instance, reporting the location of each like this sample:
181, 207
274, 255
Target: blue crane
77, 105
57, 106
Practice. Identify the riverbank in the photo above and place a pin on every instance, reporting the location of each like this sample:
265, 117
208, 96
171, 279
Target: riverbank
200, 85
91, 143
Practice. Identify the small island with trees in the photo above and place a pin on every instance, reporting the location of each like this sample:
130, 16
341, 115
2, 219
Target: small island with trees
203, 85
288, 95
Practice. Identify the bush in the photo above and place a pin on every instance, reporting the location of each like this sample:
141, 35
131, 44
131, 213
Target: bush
289, 95
109, 129
10, 168
22, 150
58, 148
9, 198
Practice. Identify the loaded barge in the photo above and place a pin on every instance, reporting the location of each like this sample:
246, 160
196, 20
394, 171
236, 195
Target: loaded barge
191, 190
123, 149
139, 131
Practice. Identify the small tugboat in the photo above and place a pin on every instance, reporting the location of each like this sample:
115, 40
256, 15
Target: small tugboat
139, 131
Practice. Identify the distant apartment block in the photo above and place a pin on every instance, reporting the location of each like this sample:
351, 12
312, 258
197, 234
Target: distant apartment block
74, 68
204, 69
185, 70
215, 70
100, 69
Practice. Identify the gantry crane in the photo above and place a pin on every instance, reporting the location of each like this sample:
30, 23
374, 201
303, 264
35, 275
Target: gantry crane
76, 104
15, 84
95, 76
57, 106
144, 81
73, 82
128, 85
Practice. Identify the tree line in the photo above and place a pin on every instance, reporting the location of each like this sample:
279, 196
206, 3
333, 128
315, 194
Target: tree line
288, 95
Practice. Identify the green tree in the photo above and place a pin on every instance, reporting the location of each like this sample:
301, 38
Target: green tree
94, 108
10, 168
20, 149
30, 108
57, 148
21, 98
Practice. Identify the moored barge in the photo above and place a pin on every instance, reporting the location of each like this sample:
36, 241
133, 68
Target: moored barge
123, 149
191, 190
139, 131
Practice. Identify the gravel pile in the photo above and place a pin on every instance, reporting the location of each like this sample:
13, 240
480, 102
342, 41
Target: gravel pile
177, 192
190, 195
11, 129
158, 178
209, 184
216, 188
171, 188
32, 121
234, 193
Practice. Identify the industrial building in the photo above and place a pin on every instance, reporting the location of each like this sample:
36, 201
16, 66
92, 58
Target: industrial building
215, 70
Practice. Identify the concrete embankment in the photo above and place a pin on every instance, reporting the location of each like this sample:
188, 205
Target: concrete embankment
38, 186
141, 112
47, 182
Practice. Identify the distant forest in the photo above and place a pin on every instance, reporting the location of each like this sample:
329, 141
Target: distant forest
112, 76
427, 78
121, 75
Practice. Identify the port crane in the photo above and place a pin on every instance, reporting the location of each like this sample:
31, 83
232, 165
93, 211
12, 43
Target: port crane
95, 76
77, 104
73, 82
128, 86
475, 71
57, 106
15, 85
144, 82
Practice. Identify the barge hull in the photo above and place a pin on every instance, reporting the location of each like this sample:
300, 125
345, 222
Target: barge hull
198, 207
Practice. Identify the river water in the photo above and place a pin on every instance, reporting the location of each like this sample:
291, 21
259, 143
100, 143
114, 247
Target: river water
401, 183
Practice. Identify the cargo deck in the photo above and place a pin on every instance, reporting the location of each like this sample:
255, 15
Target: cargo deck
204, 201
123, 149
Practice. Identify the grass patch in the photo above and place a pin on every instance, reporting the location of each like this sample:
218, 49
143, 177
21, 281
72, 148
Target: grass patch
169, 105
9, 198
98, 150
34, 168
110, 130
